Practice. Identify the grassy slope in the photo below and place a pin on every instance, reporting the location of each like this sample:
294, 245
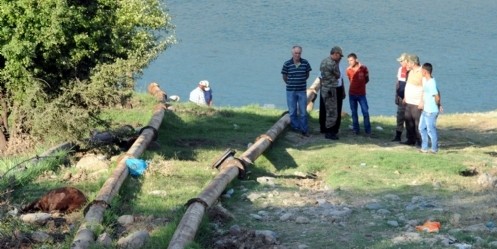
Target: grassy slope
192, 137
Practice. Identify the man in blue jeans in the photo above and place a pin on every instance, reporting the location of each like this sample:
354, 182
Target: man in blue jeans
295, 74
358, 75
431, 107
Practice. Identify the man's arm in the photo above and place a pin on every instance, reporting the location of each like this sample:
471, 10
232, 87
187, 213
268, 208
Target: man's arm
285, 78
366, 74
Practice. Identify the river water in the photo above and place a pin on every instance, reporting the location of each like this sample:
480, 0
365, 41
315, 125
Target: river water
240, 47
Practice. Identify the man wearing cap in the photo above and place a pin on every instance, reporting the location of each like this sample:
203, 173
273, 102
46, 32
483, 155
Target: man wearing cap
400, 86
295, 73
332, 94
198, 95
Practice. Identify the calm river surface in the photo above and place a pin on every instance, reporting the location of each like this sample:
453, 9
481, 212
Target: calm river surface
240, 47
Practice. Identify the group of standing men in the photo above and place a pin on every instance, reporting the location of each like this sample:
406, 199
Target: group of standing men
418, 103
295, 73
417, 96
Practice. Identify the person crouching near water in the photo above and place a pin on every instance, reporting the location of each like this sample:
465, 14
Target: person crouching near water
202, 94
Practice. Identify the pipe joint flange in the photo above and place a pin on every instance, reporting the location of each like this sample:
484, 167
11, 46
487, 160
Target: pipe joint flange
226, 154
199, 200
242, 168
156, 133
265, 136
102, 203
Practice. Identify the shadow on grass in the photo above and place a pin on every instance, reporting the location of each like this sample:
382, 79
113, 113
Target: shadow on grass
214, 129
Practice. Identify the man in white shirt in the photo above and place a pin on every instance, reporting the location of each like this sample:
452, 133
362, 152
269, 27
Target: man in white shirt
197, 96
413, 99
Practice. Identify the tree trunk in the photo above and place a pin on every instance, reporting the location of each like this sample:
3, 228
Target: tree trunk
3, 141
4, 125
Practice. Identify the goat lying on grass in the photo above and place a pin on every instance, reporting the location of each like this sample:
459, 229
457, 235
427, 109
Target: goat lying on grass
64, 200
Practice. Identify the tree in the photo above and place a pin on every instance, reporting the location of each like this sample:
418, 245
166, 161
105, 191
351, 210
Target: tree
61, 61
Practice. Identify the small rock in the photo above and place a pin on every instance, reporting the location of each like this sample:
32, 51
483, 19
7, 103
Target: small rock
411, 207
321, 201
270, 237
67, 176
302, 220
40, 237
125, 220
462, 246
454, 219
476, 228
486, 180
490, 224
373, 206
407, 237
235, 229
393, 223
263, 213
383, 211
392, 197
14, 212
134, 241
285, 217
266, 180
256, 216
253, 196
447, 240
36, 218
104, 240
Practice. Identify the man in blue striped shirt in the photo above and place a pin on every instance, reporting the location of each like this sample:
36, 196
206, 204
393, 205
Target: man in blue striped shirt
295, 74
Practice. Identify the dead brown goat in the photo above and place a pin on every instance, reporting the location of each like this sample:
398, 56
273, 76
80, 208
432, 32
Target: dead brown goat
64, 200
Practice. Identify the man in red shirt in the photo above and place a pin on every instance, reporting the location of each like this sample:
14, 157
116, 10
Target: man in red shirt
358, 77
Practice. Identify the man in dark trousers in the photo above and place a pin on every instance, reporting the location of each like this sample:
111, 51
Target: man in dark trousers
332, 94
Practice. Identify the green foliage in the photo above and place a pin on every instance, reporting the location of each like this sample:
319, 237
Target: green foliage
62, 60
15, 173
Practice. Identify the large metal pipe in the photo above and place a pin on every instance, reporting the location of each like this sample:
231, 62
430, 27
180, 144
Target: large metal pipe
93, 218
187, 228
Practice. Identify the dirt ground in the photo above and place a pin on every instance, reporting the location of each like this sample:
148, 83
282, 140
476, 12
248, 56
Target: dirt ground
317, 216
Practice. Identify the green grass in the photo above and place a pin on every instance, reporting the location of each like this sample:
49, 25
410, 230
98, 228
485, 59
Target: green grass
354, 167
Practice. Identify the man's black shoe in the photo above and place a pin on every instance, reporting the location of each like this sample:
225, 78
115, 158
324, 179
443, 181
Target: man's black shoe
398, 135
408, 143
331, 136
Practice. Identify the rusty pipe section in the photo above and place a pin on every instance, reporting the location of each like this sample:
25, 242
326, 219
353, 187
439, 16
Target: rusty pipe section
230, 168
93, 218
